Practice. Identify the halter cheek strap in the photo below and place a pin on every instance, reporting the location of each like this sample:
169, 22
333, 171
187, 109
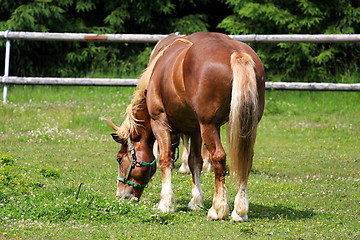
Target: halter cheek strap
135, 163
132, 166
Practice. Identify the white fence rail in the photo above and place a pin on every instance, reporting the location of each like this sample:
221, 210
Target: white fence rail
138, 38
41, 36
71, 81
134, 82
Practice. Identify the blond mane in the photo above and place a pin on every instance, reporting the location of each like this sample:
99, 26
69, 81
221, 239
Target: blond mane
131, 123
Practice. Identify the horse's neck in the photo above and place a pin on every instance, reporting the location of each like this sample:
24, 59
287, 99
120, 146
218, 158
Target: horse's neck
143, 116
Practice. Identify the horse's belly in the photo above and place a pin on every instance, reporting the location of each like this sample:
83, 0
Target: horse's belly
181, 117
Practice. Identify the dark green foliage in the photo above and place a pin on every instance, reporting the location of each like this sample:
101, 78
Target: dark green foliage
93, 16
291, 61
312, 62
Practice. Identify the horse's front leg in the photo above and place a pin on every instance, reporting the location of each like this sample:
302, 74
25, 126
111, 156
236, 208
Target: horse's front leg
162, 134
195, 164
184, 168
206, 159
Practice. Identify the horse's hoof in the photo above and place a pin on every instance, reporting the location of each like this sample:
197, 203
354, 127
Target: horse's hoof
165, 209
195, 207
216, 215
236, 218
184, 170
212, 215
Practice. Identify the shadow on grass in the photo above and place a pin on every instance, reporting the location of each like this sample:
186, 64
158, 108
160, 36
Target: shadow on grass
278, 212
258, 211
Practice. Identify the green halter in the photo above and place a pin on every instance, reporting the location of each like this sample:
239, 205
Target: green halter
135, 163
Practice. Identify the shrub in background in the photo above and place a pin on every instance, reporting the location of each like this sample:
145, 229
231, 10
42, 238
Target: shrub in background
290, 61
300, 61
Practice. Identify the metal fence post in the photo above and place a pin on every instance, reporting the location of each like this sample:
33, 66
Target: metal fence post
7, 65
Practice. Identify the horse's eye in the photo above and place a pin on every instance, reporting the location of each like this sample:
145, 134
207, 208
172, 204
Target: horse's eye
137, 138
119, 160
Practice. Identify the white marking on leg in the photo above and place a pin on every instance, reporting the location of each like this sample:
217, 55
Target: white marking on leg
196, 202
220, 207
241, 205
207, 161
184, 168
167, 195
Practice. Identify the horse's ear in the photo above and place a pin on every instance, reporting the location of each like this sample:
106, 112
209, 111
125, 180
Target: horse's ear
116, 137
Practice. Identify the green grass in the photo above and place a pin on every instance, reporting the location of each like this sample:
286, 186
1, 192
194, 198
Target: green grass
58, 171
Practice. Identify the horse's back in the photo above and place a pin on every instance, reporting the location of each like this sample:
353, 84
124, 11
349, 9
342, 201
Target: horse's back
192, 82
208, 76
163, 43
207, 35
213, 42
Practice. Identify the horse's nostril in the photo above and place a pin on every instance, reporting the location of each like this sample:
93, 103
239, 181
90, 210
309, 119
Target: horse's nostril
124, 192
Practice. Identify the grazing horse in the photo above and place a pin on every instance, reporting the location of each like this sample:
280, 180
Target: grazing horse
194, 85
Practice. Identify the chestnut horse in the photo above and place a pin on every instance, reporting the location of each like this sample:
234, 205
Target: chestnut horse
194, 85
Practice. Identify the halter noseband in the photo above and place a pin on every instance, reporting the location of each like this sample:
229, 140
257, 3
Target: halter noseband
135, 163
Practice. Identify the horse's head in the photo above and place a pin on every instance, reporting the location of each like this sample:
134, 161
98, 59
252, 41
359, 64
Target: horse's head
136, 160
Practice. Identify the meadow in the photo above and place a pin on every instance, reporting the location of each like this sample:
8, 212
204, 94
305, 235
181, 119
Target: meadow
58, 171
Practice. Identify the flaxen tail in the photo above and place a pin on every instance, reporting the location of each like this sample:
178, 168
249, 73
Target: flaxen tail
243, 117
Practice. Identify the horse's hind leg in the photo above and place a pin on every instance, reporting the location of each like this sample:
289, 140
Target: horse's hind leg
206, 159
195, 164
241, 203
184, 168
211, 137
